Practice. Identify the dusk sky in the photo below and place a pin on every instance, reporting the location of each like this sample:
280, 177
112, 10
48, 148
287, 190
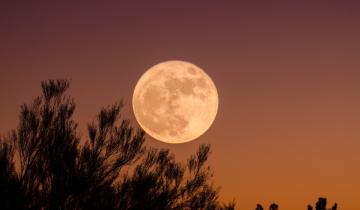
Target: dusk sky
287, 75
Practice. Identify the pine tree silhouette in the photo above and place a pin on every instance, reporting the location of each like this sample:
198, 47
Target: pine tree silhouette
274, 206
44, 166
259, 207
321, 205
111, 169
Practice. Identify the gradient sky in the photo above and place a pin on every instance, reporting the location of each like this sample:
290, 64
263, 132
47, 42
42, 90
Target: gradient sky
288, 77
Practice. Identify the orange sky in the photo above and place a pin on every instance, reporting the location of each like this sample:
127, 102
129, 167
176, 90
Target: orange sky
288, 77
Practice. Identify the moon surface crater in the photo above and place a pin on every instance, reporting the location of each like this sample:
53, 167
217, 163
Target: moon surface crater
175, 101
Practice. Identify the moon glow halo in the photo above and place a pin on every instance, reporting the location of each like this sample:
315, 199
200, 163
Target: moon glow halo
175, 102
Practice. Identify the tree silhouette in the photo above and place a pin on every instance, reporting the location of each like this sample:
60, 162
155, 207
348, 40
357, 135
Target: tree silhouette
259, 207
334, 207
228, 206
274, 206
9, 185
321, 205
43, 165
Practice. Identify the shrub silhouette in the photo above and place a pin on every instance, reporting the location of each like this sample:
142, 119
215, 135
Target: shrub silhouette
112, 169
321, 205
44, 166
259, 207
273, 206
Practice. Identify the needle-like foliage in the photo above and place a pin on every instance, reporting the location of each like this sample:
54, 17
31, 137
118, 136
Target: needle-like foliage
45, 165
110, 169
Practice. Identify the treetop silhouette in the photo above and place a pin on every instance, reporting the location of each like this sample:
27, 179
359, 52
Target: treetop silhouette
44, 166
111, 170
321, 205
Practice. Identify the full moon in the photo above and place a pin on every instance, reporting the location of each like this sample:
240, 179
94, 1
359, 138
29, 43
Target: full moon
175, 101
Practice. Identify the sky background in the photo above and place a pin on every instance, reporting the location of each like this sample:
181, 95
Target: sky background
287, 74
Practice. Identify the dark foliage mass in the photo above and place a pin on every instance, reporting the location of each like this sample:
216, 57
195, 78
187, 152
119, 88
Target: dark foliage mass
321, 205
43, 164
273, 206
